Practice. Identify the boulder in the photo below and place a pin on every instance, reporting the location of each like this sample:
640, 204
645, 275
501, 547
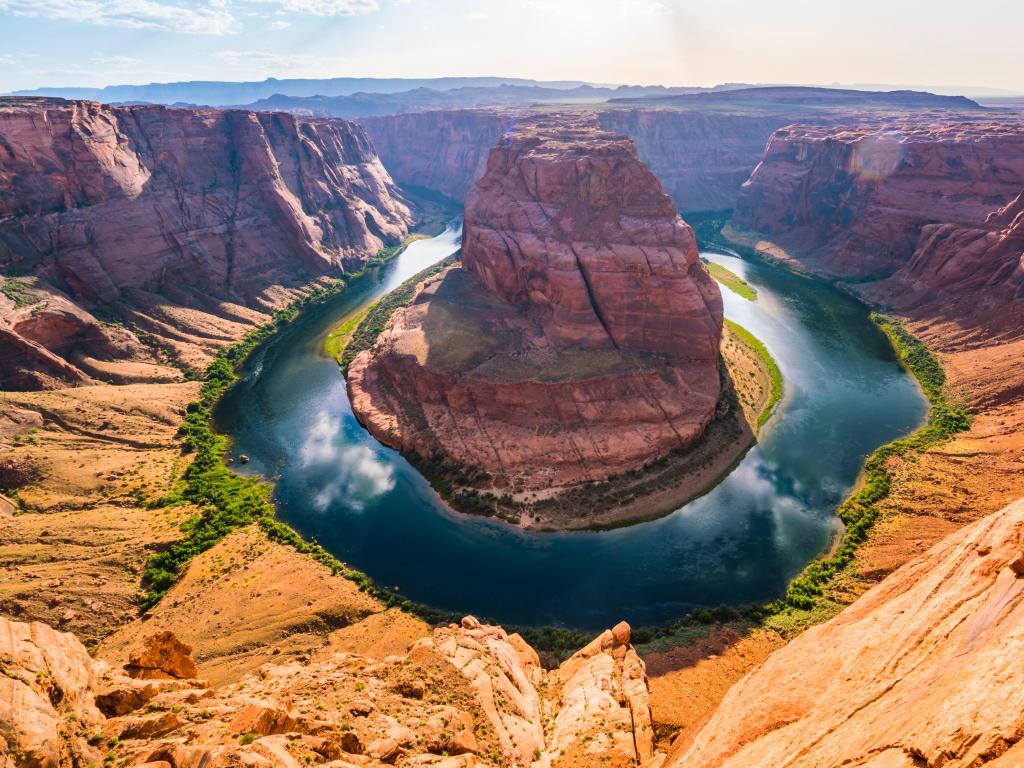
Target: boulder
162, 656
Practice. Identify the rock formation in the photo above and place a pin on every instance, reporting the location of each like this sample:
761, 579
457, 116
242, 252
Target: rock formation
578, 340
466, 696
853, 200
173, 221
922, 670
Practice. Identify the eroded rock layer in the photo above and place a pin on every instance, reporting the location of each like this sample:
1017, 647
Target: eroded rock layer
174, 221
578, 340
922, 670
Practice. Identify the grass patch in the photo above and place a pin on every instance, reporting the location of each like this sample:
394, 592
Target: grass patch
731, 280
773, 368
338, 339
18, 291
809, 592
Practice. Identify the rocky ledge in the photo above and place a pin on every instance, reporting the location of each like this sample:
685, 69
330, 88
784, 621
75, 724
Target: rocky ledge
578, 340
920, 671
468, 695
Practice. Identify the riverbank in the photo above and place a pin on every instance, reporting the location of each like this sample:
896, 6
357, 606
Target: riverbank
812, 596
731, 280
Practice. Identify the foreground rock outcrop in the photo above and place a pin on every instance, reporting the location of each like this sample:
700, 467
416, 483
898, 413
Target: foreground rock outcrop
467, 695
923, 670
130, 234
580, 338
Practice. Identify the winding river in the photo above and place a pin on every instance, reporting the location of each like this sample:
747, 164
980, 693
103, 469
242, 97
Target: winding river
845, 395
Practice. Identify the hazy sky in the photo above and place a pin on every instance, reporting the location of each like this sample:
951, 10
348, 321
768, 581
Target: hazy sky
673, 42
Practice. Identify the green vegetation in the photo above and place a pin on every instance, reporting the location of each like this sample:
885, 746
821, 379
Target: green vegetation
377, 315
339, 338
860, 512
731, 280
18, 291
773, 368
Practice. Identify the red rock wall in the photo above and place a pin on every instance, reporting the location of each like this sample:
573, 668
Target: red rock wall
151, 210
701, 158
102, 199
854, 200
973, 275
445, 151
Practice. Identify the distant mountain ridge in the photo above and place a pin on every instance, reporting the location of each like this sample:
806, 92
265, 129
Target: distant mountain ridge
811, 96
364, 104
215, 93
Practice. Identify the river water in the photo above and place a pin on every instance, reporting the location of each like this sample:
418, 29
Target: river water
742, 542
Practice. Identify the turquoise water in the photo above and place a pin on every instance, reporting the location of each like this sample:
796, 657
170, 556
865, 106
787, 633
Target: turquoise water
740, 543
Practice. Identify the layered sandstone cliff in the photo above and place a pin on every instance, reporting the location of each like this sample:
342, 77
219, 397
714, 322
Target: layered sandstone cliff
445, 150
853, 200
578, 340
468, 695
174, 222
973, 274
701, 158
923, 670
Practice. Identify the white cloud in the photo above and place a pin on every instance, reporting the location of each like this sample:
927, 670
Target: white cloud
331, 7
351, 473
644, 8
279, 25
117, 62
129, 14
264, 59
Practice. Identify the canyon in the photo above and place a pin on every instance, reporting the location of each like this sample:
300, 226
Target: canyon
105, 212
701, 146
579, 338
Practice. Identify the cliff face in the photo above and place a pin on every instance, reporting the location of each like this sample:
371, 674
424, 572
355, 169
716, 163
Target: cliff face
701, 158
922, 670
445, 151
466, 690
974, 274
854, 200
150, 210
579, 340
